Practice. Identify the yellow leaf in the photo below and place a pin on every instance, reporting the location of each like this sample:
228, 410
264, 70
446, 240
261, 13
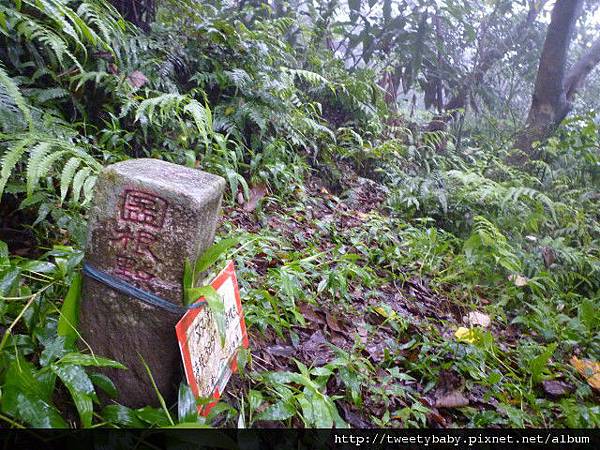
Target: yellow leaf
465, 335
590, 370
382, 312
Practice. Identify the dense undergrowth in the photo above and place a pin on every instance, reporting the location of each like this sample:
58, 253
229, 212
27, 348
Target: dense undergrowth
365, 242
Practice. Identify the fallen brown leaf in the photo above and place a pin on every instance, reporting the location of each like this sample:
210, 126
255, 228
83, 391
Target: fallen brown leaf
454, 399
316, 350
435, 417
333, 323
549, 256
556, 388
311, 314
257, 192
286, 351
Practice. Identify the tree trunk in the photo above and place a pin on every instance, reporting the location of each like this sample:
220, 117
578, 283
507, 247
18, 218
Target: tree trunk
549, 104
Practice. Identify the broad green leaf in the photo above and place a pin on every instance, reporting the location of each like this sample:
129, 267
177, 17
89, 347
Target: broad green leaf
210, 256
53, 349
352, 381
315, 411
4, 261
188, 275
8, 280
69, 312
217, 308
26, 396
588, 314
80, 387
279, 411
255, 399
153, 416
190, 158
186, 404
122, 415
38, 266
284, 378
215, 305
32, 410
82, 359
104, 383
22, 376
537, 366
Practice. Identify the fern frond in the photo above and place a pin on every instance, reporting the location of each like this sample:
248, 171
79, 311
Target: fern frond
202, 118
9, 161
56, 11
36, 156
167, 104
67, 175
88, 188
45, 95
306, 75
238, 77
14, 93
253, 112
78, 182
514, 194
46, 164
317, 127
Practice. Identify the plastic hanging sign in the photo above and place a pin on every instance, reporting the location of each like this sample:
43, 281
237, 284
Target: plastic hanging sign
208, 364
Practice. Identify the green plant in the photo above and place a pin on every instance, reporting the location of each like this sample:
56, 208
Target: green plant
301, 394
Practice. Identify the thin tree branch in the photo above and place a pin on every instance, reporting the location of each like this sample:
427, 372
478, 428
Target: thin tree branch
581, 70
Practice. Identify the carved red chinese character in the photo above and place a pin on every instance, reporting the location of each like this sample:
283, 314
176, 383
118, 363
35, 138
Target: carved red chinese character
122, 236
143, 242
128, 267
143, 207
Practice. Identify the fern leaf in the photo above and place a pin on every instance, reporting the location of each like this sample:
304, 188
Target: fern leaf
13, 92
44, 95
56, 12
311, 77
167, 104
88, 188
36, 155
201, 117
67, 175
78, 181
48, 162
10, 160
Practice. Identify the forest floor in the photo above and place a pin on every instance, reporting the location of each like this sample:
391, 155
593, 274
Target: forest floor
358, 316
377, 337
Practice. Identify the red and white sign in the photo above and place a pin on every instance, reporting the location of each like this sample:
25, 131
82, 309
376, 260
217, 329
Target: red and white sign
208, 364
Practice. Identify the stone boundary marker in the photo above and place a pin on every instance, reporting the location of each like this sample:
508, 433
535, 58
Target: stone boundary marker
148, 216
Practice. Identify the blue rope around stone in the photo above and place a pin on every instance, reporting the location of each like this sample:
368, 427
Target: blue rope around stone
126, 288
